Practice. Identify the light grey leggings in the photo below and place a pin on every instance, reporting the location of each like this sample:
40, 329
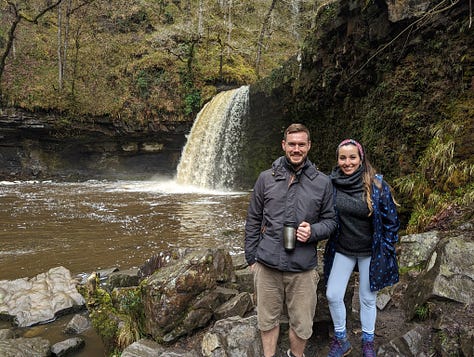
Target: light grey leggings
340, 273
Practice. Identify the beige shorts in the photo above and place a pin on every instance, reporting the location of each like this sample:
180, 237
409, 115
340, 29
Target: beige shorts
275, 288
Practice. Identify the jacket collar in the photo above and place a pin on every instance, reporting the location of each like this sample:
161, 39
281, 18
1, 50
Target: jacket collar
280, 167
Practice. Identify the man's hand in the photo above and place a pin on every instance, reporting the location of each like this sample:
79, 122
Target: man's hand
303, 232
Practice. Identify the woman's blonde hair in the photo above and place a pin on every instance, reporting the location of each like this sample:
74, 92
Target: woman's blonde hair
368, 179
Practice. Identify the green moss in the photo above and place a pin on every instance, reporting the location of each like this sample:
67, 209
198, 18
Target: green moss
118, 317
128, 301
405, 270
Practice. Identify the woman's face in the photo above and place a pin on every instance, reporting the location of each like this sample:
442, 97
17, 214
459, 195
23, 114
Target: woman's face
348, 159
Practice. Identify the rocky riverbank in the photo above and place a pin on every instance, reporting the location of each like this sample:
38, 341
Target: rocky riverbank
200, 303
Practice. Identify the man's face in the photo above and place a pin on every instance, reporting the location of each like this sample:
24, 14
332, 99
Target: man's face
296, 147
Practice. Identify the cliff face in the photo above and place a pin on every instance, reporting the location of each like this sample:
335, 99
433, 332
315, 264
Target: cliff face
48, 146
386, 73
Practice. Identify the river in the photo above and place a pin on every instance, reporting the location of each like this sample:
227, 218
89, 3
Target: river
99, 224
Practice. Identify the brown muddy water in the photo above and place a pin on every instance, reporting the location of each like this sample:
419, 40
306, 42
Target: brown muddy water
102, 224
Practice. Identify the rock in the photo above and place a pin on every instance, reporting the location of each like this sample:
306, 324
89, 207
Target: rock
448, 275
122, 279
78, 324
94, 141
203, 310
244, 280
158, 261
466, 340
417, 248
453, 328
149, 348
215, 298
68, 346
408, 345
401, 10
6, 333
40, 299
25, 347
143, 348
169, 293
383, 298
237, 306
239, 261
188, 288
105, 273
233, 337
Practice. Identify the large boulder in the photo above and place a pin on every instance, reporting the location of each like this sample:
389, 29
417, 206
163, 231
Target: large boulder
449, 274
170, 293
30, 301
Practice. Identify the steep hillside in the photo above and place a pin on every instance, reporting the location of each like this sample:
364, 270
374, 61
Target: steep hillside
397, 78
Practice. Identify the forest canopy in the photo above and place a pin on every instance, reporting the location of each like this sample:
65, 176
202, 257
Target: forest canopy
141, 59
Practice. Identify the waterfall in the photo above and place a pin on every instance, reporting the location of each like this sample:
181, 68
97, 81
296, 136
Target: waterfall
210, 157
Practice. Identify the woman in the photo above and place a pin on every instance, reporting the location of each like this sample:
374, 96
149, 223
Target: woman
367, 231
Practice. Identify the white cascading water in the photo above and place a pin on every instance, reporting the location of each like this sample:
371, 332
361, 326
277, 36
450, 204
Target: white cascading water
209, 158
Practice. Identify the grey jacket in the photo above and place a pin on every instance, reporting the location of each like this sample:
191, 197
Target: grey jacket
277, 198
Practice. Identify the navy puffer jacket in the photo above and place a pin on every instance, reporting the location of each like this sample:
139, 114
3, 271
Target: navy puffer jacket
383, 269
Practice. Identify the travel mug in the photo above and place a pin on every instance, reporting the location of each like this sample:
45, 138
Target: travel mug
289, 236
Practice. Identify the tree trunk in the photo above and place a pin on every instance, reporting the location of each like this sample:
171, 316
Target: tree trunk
60, 50
200, 18
229, 26
8, 47
11, 33
261, 37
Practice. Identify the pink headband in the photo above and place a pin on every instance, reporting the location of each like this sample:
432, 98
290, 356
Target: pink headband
353, 142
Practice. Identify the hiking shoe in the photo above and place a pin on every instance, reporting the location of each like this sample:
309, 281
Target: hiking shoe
368, 349
339, 347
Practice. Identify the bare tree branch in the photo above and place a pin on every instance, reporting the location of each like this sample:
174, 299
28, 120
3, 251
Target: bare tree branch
18, 16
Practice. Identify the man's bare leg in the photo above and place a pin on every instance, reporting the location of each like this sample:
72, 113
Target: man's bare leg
297, 345
270, 340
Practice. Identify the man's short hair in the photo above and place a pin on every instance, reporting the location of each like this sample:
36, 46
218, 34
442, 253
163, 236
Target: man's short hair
296, 128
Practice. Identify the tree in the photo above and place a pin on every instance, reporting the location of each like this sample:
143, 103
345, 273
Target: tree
229, 25
64, 16
19, 11
261, 37
62, 41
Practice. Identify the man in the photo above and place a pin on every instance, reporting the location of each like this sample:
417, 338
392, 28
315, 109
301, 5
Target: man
292, 190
